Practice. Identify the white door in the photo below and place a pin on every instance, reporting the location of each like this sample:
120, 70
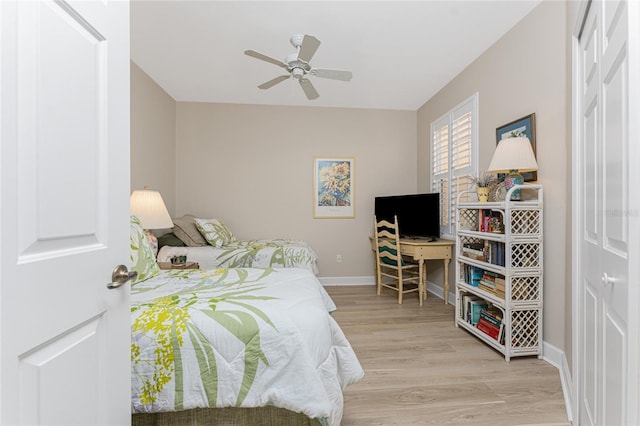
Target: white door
64, 192
602, 235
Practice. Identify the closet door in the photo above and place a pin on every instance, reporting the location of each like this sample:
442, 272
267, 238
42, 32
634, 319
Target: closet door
603, 166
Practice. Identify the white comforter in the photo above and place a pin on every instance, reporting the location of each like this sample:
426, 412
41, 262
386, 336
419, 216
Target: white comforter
238, 338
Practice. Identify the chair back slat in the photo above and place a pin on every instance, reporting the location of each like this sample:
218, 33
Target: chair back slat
389, 261
388, 241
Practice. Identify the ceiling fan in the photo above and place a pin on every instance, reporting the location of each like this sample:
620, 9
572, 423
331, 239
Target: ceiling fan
298, 66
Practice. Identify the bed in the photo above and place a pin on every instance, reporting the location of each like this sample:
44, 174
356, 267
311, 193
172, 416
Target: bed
234, 343
211, 244
275, 253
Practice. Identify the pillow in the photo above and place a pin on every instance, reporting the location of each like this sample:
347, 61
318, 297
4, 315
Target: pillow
185, 229
142, 258
215, 232
170, 239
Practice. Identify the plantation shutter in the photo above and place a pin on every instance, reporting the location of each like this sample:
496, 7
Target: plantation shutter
440, 167
454, 158
463, 158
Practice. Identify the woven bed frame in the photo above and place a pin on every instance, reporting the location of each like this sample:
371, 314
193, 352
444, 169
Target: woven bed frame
260, 416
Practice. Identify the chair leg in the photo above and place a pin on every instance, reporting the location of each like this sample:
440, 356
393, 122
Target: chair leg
400, 290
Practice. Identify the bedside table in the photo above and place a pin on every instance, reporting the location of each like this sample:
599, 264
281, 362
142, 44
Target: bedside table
188, 265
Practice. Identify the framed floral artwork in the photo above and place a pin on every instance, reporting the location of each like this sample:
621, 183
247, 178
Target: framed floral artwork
333, 187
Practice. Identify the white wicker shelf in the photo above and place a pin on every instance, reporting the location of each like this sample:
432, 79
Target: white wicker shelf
519, 261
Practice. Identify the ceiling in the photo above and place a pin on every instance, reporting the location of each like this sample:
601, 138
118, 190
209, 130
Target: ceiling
400, 53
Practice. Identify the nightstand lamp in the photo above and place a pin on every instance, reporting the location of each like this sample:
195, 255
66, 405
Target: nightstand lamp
513, 156
148, 206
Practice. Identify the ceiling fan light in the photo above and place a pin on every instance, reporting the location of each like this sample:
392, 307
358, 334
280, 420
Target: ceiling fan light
297, 73
296, 40
292, 57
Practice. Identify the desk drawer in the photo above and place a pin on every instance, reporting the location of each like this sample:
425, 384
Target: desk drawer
426, 252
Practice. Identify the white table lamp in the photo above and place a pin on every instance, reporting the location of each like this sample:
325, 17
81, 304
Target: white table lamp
149, 207
513, 156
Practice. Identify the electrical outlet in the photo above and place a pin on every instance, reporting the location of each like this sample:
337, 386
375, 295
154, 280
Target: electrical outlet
338, 258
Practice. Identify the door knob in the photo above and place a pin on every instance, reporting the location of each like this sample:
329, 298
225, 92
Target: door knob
606, 279
120, 276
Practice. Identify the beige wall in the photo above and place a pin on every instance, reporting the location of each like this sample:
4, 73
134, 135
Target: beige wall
153, 129
524, 72
252, 166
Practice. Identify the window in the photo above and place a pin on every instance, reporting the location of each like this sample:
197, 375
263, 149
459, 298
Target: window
454, 148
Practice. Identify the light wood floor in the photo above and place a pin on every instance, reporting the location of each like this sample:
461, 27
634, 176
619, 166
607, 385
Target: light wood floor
422, 370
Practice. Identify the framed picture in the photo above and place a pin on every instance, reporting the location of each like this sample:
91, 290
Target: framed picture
525, 126
333, 187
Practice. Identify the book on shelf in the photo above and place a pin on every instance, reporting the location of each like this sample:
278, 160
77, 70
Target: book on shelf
494, 253
490, 277
493, 315
465, 306
473, 252
500, 254
490, 329
489, 281
467, 300
472, 275
500, 283
489, 317
488, 251
475, 307
487, 288
490, 221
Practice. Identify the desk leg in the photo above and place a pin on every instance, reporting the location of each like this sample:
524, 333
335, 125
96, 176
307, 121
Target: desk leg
422, 291
446, 281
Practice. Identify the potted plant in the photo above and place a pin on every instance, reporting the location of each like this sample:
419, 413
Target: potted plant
483, 184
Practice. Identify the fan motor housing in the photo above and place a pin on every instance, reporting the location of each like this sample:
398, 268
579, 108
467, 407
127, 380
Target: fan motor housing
297, 68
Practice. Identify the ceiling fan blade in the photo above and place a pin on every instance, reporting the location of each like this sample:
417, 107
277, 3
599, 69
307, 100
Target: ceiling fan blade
273, 82
333, 74
308, 48
308, 89
266, 58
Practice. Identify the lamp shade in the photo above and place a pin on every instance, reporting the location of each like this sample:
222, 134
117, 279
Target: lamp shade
513, 154
148, 206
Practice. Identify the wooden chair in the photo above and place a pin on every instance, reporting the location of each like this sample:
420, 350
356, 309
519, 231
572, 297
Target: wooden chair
392, 270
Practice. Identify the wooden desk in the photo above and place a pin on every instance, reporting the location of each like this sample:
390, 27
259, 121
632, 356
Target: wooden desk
422, 249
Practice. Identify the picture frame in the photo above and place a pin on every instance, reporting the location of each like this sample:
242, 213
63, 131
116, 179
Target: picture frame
333, 188
525, 126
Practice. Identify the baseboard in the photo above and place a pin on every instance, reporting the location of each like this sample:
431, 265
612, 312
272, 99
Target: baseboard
557, 358
438, 291
432, 288
345, 281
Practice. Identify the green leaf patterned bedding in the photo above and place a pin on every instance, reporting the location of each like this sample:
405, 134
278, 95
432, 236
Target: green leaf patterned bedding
239, 337
275, 253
